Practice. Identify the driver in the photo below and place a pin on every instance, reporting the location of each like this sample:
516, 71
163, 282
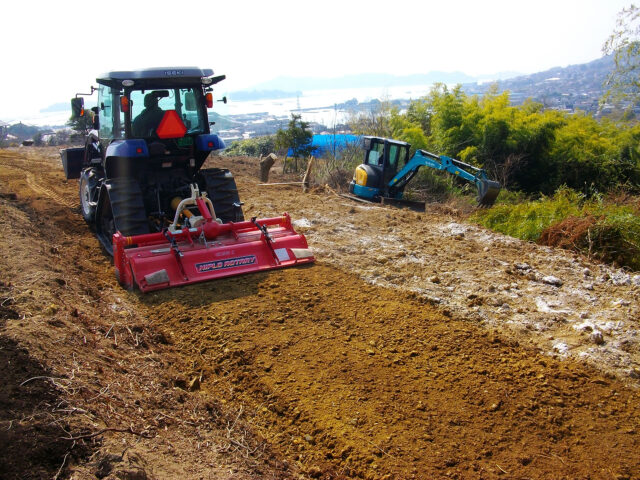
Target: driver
145, 124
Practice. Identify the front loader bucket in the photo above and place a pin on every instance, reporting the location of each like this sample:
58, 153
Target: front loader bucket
161, 260
488, 190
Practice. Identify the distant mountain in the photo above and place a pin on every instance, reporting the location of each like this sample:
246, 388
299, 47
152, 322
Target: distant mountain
56, 107
565, 88
249, 95
364, 80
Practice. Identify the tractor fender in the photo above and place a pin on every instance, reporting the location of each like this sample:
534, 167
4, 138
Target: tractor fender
120, 155
209, 143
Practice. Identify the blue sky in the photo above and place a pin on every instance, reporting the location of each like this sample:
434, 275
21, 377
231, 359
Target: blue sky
53, 49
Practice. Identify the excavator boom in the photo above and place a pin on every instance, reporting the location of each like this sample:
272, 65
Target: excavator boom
488, 190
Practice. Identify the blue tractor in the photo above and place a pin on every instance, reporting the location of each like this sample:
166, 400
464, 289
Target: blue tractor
166, 220
150, 136
387, 170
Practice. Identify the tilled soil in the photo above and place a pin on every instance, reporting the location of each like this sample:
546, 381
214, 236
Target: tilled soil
400, 354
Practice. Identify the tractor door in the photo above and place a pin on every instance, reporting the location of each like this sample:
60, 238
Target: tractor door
110, 116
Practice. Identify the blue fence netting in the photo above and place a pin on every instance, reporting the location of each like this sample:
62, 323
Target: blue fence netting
330, 144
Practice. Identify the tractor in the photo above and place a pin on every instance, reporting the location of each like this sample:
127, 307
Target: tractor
166, 220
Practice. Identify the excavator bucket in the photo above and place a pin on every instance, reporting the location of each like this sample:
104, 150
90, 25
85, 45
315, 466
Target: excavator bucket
212, 250
488, 190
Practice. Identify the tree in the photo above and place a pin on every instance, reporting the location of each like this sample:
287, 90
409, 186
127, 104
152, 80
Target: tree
38, 139
375, 121
82, 124
296, 138
252, 147
624, 43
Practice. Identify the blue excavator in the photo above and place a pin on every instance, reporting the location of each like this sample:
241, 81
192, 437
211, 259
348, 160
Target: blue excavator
387, 170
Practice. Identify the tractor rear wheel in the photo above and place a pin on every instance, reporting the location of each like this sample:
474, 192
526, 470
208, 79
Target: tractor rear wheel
221, 189
105, 223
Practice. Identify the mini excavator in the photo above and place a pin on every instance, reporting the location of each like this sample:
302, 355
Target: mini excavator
387, 170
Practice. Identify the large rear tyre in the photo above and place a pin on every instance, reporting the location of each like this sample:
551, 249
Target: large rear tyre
105, 223
88, 194
120, 208
221, 189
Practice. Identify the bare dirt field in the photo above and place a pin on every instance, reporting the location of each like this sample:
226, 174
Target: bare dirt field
418, 346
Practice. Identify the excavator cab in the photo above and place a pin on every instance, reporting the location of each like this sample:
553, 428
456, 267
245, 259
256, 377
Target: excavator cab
383, 158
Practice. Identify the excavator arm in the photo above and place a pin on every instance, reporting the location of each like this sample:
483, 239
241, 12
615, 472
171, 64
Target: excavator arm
487, 189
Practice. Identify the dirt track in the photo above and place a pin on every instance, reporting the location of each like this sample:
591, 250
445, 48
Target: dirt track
311, 372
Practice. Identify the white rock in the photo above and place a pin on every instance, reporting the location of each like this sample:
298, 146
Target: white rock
551, 280
620, 278
543, 306
561, 347
302, 223
596, 337
622, 303
584, 326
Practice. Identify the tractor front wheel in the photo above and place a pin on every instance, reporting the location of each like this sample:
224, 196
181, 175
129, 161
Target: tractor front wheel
88, 184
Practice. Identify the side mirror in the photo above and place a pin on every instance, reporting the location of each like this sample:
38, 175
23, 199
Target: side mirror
223, 100
77, 107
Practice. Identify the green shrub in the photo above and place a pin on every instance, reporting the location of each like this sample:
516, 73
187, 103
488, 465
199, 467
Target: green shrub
528, 220
602, 230
252, 147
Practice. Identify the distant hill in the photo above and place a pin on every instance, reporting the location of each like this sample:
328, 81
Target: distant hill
56, 107
364, 80
249, 95
567, 88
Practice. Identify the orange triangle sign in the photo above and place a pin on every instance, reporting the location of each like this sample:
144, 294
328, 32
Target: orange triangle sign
171, 126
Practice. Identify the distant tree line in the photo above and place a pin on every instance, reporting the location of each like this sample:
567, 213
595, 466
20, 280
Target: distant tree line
525, 147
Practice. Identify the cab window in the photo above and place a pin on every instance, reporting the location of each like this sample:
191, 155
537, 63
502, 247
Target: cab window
148, 108
376, 154
394, 150
110, 117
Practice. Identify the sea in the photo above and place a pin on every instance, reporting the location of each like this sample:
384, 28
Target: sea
319, 106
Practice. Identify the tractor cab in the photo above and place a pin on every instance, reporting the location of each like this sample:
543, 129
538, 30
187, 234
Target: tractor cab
157, 114
383, 158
